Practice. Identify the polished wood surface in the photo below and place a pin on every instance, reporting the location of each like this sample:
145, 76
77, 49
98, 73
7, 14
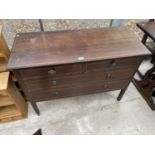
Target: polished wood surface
51, 65
53, 48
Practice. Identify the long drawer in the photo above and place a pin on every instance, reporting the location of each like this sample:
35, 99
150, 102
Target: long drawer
53, 82
112, 64
51, 71
75, 69
87, 88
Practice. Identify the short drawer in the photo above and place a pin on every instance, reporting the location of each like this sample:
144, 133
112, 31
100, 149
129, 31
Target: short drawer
87, 88
52, 71
113, 64
76, 80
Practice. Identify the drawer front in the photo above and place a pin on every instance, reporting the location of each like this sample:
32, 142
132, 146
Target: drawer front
42, 83
113, 64
54, 71
75, 69
88, 88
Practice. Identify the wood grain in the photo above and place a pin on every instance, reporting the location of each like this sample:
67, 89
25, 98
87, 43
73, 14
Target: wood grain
53, 48
76, 80
5, 101
51, 65
4, 78
88, 88
4, 50
12, 105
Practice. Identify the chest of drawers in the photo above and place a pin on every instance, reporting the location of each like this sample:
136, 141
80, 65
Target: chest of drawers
51, 65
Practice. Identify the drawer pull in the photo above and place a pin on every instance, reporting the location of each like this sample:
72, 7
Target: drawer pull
108, 75
56, 93
52, 71
105, 86
113, 63
54, 82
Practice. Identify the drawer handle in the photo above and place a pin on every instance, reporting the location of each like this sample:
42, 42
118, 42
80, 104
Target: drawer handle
52, 71
113, 63
108, 75
105, 85
56, 93
54, 82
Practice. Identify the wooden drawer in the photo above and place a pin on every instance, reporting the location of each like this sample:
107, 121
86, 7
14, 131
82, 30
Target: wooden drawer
113, 64
53, 71
87, 88
75, 69
42, 83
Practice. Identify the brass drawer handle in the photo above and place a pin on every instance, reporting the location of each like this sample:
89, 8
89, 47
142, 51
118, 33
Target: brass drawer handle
52, 71
54, 82
113, 63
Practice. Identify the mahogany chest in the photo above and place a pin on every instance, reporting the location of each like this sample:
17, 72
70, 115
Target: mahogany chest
51, 65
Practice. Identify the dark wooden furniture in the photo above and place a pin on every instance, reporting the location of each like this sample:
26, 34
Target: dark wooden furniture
51, 65
146, 84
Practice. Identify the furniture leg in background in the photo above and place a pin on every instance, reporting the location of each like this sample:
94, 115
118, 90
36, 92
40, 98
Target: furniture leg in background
146, 84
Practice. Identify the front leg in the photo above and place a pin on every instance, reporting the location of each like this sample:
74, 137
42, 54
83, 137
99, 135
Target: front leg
121, 94
35, 107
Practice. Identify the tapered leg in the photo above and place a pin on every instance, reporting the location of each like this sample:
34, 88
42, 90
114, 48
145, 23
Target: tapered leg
35, 107
121, 94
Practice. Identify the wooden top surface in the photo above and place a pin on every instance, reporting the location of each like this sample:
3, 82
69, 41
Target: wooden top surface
148, 28
63, 47
4, 77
